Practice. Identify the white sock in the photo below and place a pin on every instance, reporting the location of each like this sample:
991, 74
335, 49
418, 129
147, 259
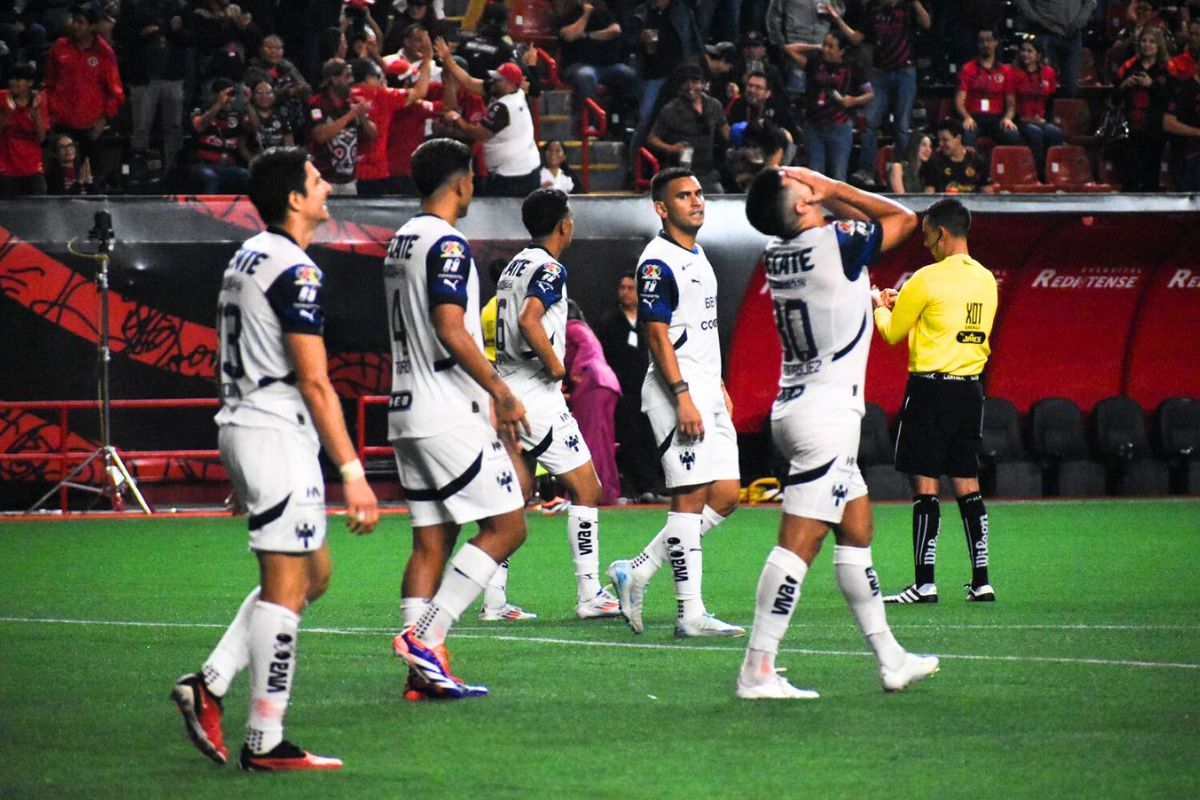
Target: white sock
466, 575
583, 532
774, 603
682, 538
856, 578
411, 609
273, 633
646, 563
495, 594
709, 519
232, 653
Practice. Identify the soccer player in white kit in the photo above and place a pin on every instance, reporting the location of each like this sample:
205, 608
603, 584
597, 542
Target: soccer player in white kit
531, 340
690, 412
453, 466
817, 274
278, 408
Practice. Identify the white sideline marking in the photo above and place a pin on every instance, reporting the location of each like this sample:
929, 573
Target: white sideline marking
629, 645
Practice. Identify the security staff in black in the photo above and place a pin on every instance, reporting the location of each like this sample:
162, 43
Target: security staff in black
946, 311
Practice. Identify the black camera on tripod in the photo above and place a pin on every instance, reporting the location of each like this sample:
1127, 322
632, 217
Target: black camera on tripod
102, 231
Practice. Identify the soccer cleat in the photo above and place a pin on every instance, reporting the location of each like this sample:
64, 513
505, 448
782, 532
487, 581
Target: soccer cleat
629, 593
284, 757
427, 663
706, 625
201, 711
602, 604
915, 668
555, 505
418, 687
925, 593
505, 613
980, 594
775, 687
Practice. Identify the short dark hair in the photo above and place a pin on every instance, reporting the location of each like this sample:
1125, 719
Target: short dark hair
274, 175
950, 214
767, 204
542, 210
436, 161
495, 268
758, 73
660, 182
951, 125
363, 68
628, 274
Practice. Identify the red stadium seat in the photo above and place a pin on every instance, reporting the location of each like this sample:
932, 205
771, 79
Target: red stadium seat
1069, 170
1106, 170
1074, 117
883, 157
1013, 170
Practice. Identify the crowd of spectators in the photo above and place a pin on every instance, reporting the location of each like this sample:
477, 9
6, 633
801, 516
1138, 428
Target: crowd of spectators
178, 95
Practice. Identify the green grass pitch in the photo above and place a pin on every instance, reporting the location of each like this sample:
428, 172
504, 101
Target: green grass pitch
1083, 680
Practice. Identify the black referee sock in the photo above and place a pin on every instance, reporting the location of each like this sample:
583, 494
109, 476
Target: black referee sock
927, 521
975, 525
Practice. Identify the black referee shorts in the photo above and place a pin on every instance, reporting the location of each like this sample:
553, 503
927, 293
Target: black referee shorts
941, 426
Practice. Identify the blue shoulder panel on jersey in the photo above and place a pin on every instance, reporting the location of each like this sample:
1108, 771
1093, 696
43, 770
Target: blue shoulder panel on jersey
658, 294
295, 297
447, 270
547, 283
859, 242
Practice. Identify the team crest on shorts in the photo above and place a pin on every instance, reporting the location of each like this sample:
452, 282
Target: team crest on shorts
687, 458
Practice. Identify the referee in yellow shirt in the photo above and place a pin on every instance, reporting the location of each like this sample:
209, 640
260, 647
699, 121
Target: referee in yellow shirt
946, 311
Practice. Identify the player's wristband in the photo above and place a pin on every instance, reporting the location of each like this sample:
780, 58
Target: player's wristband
679, 387
352, 471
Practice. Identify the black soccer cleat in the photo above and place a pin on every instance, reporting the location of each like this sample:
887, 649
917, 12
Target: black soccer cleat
984, 593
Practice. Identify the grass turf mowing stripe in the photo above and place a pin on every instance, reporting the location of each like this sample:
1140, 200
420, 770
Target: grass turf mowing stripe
500, 637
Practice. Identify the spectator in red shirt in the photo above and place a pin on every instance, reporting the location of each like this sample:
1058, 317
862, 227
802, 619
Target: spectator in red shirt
384, 104
83, 87
23, 125
410, 125
1142, 82
340, 125
1183, 66
983, 99
1032, 84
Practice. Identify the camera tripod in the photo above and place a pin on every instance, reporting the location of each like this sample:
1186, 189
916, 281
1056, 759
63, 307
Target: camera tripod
115, 480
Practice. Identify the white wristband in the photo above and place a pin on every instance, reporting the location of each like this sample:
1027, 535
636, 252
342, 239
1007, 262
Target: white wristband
352, 471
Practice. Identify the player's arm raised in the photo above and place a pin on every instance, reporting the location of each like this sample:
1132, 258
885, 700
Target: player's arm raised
449, 324
307, 352
844, 200
658, 337
530, 323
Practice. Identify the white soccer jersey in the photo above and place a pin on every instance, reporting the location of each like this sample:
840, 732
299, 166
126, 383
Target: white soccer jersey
678, 287
533, 272
428, 263
270, 288
821, 293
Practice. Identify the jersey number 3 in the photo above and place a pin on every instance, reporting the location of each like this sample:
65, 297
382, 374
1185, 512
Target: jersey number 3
231, 353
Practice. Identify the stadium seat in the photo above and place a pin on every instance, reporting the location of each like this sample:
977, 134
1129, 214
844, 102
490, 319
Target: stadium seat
1013, 170
875, 456
1068, 169
1122, 441
1106, 171
1004, 467
1177, 436
883, 157
1074, 117
1057, 440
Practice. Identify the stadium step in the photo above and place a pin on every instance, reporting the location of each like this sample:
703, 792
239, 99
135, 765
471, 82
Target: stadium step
556, 102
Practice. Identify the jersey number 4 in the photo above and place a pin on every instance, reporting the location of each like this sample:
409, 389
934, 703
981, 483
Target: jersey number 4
795, 330
399, 332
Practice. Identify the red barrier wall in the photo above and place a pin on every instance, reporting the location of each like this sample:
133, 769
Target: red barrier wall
1090, 307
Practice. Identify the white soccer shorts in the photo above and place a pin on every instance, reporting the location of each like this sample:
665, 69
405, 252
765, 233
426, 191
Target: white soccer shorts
823, 474
461, 475
555, 441
277, 475
691, 462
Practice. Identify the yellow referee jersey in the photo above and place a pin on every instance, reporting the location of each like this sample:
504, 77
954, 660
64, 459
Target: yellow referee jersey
946, 310
487, 320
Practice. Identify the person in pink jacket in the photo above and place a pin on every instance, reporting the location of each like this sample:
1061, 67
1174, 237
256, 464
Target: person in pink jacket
593, 399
